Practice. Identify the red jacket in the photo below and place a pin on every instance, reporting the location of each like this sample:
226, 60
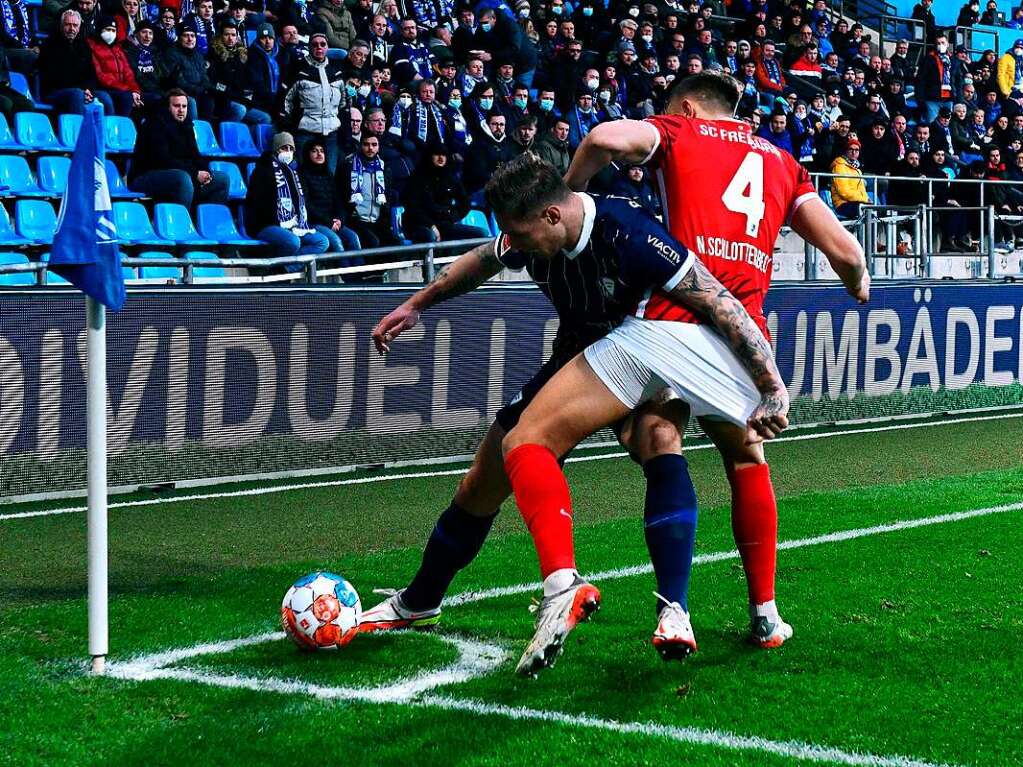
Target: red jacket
113, 72
764, 81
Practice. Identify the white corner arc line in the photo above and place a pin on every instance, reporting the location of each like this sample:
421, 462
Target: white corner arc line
456, 472
695, 735
475, 659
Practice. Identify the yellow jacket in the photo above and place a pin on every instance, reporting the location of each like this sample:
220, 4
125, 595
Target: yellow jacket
1006, 73
845, 190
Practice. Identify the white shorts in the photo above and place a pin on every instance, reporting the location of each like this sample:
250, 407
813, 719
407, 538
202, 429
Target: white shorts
641, 357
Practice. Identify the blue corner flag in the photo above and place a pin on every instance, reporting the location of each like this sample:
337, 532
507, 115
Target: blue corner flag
85, 249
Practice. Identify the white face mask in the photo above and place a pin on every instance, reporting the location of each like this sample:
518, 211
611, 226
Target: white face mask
592, 83
942, 47
363, 91
108, 36
286, 157
634, 12
648, 38
405, 102
605, 95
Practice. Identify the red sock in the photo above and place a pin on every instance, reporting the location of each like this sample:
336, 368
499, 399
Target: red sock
755, 527
544, 502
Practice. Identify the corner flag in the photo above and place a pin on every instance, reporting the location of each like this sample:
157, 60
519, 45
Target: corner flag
85, 249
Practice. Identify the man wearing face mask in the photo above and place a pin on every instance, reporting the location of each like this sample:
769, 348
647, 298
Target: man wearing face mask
582, 119
934, 82
545, 111
518, 109
316, 100
167, 165
275, 210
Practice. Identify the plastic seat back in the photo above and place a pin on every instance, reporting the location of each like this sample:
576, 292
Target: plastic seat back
263, 136
120, 134
478, 219
174, 223
17, 278
33, 129
69, 126
53, 172
35, 219
205, 272
236, 188
7, 139
205, 139
236, 139
15, 174
215, 223
132, 222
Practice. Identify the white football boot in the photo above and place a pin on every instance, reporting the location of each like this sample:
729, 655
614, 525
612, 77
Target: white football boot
392, 614
556, 616
673, 638
767, 629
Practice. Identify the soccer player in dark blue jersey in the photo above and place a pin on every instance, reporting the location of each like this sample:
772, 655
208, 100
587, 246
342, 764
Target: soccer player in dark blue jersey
590, 302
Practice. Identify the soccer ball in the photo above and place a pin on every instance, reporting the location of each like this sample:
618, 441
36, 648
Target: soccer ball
321, 612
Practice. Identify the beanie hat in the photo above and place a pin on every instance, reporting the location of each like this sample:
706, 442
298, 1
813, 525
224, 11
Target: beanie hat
282, 139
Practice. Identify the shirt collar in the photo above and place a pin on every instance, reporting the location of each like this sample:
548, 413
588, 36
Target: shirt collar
589, 216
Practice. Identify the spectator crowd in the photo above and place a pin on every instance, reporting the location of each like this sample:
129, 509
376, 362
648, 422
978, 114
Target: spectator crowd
414, 103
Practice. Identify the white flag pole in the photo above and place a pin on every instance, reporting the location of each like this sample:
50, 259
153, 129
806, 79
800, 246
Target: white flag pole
96, 408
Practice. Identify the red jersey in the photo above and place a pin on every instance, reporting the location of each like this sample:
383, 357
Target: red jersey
726, 193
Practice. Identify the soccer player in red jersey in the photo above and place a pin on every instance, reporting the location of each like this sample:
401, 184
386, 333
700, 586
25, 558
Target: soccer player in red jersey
727, 193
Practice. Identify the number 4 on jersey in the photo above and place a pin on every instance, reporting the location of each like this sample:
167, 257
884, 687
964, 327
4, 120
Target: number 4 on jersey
749, 176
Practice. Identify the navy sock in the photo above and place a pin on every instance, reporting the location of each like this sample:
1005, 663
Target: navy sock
669, 522
455, 541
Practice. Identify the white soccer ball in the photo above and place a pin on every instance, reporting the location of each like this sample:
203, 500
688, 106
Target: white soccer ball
321, 611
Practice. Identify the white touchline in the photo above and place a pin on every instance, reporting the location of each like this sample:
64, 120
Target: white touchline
792, 749
455, 472
477, 659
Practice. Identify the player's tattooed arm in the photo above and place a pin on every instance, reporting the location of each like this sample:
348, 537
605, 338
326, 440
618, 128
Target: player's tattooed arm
701, 292
466, 273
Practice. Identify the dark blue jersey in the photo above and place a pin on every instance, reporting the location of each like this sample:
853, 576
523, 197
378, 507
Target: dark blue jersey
623, 254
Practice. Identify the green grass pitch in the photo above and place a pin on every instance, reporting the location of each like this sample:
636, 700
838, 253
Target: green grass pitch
906, 647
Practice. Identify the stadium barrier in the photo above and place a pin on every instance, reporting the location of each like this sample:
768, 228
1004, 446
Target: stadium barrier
214, 383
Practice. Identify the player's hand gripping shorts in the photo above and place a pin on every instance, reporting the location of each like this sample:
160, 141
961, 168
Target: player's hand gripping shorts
640, 357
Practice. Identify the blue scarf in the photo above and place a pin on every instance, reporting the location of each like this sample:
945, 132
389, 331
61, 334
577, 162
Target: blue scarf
19, 32
773, 70
273, 66
946, 71
423, 120
360, 167
186, 8
289, 214
419, 58
466, 83
146, 65
586, 122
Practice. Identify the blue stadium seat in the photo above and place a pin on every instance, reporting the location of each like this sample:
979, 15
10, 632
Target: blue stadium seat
16, 176
35, 220
7, 140
477, 218
52, 278
215, 223
133, 225
174, 223
20, 83
205, 272
249, 167
263, 136
53, 171
19, 278
115, 183
236, 140
235, 183
120, 134
397, 212
69, 126
206, 140
33, 131
8, 237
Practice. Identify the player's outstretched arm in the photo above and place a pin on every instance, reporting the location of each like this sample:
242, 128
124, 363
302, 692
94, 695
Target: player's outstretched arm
466, 273
620, 140
701, 292
815, 222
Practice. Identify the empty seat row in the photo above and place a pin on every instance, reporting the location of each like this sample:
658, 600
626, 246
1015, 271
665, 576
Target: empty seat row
51, 179
35, 221
129, 273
